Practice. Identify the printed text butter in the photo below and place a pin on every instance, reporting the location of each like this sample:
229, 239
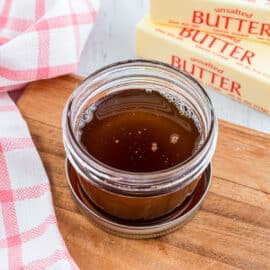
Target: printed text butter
234, 67
240, 18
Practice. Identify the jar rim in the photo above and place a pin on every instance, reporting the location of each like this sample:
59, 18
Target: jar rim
129, 176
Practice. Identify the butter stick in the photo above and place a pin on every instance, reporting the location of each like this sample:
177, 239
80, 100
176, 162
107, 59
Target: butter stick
239, 18
237, 68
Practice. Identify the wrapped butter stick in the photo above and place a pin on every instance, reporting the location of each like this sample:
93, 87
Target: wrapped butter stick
239, 18
237, 68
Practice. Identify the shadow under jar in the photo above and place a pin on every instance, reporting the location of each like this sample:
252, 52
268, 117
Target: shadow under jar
145, 193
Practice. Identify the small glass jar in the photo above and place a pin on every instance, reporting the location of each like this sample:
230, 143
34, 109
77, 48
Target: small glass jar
139, 197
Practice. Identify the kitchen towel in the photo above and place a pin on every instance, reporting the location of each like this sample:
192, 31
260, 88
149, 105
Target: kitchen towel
39, 39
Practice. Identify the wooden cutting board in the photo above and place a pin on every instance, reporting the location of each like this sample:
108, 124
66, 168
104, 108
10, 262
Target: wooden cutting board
231, 231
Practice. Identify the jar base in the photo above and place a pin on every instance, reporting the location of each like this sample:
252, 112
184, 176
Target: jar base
139, 230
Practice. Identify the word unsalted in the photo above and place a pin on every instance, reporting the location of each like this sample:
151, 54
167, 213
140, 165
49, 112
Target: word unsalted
233, 67
243, 19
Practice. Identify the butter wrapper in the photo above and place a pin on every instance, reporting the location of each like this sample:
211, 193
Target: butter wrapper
239, 18
237, 68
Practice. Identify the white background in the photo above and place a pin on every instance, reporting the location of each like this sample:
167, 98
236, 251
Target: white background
113, 39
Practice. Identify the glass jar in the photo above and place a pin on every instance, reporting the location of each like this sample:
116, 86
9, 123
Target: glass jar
129, 196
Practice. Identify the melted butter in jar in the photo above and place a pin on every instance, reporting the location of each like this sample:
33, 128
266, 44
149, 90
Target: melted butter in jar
139, 131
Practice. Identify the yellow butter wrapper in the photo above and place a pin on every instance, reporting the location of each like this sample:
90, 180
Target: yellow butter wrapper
237, 68
240, 18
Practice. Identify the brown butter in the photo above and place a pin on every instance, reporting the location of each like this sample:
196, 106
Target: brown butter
138, 131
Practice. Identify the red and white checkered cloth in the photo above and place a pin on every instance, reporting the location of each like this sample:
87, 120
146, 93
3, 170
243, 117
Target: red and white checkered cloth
38, 39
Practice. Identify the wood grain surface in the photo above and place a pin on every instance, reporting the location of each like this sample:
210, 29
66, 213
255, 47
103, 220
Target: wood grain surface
231, 231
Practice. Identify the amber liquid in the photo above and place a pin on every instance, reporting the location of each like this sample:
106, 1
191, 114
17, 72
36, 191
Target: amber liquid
185, 206
139, 131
